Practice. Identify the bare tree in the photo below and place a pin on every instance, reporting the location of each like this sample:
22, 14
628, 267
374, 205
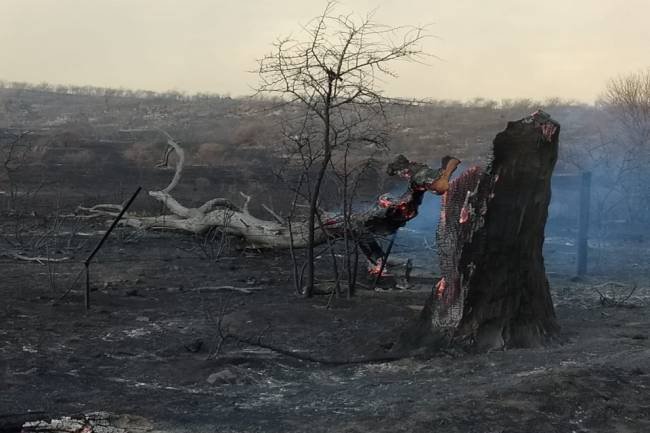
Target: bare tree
331, 74
629, 96
628, 99
16, 152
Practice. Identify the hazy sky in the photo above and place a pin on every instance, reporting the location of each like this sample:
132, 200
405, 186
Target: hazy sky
486, 48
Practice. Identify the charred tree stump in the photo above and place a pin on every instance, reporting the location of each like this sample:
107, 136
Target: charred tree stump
494, 292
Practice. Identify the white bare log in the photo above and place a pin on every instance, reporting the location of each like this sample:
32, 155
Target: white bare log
247, 199
174, 206
180, 164
222, 214
215, 213
261, 233
217, 202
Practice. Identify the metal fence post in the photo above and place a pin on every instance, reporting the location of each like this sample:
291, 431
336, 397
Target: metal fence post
583, 222
101, 242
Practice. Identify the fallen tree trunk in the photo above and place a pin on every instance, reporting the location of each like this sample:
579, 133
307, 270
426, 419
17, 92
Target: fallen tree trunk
388, 215
218, 212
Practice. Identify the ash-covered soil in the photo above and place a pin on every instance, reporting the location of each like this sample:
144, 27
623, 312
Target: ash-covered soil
147, 348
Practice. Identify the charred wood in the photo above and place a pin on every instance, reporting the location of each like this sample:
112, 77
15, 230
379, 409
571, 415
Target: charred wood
494, 291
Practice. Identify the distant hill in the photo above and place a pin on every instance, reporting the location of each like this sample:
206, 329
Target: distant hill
240, 129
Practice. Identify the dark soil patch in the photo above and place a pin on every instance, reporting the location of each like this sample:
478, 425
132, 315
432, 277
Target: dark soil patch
147, 346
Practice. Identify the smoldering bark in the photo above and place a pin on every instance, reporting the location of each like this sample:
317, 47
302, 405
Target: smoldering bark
494, 272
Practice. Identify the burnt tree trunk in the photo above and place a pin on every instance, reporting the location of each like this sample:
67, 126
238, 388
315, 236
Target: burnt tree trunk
493, 222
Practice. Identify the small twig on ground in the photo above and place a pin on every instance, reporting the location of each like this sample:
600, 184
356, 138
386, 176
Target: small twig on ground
609, 300
39, 260
257, 342
217, 323
246, 290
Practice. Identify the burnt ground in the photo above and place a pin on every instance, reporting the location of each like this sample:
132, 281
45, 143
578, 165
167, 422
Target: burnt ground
147, 349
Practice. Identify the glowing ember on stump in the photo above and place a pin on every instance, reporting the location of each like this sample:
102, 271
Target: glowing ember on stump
464, 215
548, 129
441, 287
385, 201
404, 208
464, 212
376, 268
